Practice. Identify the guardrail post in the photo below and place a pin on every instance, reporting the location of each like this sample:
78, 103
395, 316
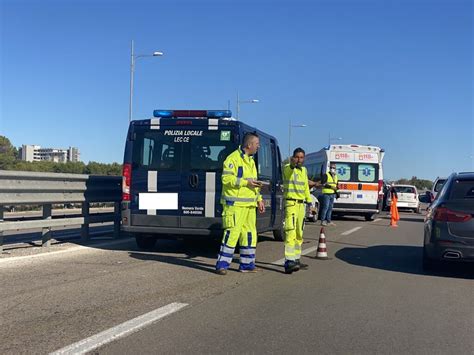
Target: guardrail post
1, 232
117, 217
85, 227
46, 231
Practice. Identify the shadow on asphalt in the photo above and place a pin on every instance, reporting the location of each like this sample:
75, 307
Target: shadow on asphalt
400, 258
192, 249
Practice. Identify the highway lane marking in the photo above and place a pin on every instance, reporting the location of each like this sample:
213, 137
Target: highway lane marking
14, 259
351, 231
120, 331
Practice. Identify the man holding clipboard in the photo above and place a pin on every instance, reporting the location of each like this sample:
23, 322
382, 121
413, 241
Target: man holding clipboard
240, 197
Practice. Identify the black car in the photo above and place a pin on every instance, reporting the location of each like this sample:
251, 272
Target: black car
449, 224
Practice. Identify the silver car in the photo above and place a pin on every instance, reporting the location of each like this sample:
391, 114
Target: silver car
449, 224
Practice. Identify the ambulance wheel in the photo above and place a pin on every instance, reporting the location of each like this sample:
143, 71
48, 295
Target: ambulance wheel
369, 217
145, 242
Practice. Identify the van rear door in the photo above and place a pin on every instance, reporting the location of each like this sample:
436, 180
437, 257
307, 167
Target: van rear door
177, 169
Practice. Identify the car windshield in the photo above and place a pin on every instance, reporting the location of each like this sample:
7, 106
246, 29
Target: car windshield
439, 185
405, 189
462, 190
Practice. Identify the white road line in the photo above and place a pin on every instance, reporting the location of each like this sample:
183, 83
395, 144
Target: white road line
69, 250
304, 252
376, 220
351, 231
120, 331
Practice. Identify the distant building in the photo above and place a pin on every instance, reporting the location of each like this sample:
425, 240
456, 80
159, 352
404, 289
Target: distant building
36, 153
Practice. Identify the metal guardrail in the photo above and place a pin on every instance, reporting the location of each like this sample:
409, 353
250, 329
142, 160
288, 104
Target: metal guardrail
46, 189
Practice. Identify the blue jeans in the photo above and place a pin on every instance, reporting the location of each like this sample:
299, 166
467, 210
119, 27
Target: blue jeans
326, 209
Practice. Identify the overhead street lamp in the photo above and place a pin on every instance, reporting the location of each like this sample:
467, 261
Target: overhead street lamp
253, 101
289, 135
132, 72
333, 139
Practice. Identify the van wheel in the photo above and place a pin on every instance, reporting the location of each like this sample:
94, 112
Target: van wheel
279, 234
369, 217
145, 242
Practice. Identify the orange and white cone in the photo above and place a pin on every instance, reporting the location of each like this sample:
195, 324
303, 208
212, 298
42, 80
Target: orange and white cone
322, 252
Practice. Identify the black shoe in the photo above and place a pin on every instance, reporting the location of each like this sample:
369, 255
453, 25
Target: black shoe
291, 267
301, 265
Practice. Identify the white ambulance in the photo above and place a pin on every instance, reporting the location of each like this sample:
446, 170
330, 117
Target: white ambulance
360, 175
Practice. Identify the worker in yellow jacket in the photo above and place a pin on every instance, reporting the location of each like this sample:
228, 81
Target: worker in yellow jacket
240, 197
296, 194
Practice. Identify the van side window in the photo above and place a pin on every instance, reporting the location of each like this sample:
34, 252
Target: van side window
265, 161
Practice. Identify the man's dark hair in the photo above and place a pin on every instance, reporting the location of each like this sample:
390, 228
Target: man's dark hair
299, 150
247, 138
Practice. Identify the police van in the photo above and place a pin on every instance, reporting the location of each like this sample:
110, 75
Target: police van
172, 175
360, 176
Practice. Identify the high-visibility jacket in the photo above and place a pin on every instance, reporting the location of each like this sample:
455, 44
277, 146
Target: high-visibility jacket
331, 182
238, 169
295, 182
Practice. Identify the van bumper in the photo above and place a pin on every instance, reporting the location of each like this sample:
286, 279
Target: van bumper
177, 232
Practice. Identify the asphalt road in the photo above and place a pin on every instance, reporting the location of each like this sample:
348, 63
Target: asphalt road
370, 297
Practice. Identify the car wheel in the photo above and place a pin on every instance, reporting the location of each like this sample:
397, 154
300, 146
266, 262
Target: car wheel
429, 264
369, 217
279, 234
145, 242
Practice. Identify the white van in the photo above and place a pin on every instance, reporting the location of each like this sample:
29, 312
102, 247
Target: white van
360, 175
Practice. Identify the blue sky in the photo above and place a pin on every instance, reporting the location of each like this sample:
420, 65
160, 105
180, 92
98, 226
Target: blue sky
397, 74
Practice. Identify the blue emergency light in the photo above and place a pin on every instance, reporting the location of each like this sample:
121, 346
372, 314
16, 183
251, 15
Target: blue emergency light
192, 113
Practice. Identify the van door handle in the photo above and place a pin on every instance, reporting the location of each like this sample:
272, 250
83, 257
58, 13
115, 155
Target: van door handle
194, 180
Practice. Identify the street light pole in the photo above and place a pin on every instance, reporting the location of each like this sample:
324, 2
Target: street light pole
132, 70
133, 58
253, 101
289, 135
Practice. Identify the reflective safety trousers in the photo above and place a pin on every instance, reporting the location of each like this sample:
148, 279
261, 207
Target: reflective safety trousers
238, 169
332, 182
239, 226
294, 225
295, 182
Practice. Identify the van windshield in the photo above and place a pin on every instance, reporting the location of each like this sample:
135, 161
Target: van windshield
182, 149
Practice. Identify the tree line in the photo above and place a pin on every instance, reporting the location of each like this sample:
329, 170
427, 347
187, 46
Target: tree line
10, 160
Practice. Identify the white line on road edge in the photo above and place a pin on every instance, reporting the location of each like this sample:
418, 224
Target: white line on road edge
304, 252
351, 231
119, 331
376, 220
69, 250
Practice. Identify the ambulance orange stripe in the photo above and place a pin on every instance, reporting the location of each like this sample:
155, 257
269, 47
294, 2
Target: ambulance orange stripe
355, 187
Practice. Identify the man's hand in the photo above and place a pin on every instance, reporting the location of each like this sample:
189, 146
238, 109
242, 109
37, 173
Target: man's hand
261, 207
311, 184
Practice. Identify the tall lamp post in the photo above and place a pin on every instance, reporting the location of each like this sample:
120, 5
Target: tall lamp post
132, 72
253, 101
289, 135
332, 139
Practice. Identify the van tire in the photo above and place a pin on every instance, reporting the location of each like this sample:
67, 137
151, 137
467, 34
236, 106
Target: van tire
369, 217
145, 242
279, 234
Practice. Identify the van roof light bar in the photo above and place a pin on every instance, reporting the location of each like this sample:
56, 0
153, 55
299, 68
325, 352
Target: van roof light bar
192, 113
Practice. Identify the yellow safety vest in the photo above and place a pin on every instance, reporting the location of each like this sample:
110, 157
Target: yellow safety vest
295, 182
331, 182
238, 169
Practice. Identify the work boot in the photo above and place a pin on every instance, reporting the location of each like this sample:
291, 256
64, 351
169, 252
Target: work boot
221, 272
290, 267
301, 265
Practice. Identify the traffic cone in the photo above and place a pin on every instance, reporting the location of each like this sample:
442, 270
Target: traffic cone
322, 253
394, 216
